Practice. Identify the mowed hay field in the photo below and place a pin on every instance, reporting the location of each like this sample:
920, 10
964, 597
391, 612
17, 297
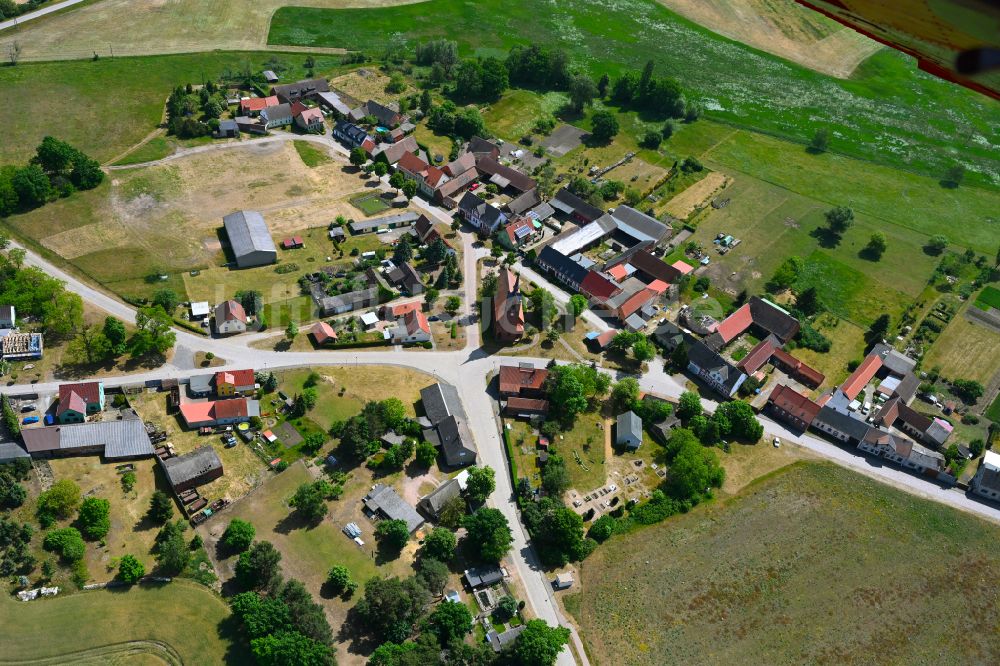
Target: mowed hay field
965, 350
784, 28
168, 218
178, 623
813, 564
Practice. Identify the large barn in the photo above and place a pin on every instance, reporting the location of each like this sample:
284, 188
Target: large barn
249, 238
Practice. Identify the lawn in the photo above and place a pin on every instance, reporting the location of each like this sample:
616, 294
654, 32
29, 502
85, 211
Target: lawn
798, 568
517, 112
309, 551
847, 344
310, 154
181, 622
993, 413
105, 124
965, 350
155, 149
846, 292
371, 203
737, 84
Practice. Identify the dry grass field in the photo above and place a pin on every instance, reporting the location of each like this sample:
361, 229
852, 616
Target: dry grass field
698, 195
804, 566
130, 27
784, 28
966, 350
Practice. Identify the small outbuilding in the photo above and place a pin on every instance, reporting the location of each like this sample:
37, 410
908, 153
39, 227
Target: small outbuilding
197, 468
563, 581
629, 431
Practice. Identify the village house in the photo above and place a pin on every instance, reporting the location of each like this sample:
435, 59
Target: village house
341, 303
986, 482
384, 116
561, 267
252, 106
574, 207
428, 178
792, 407
481, 215
231, 383
628, 431
448, 430
308, 119
412, 328
228, 129
382, 503
396, 221
323, 333
353, 136
715, 370
219, 412
333, 101
760, 316
432, 503
249, 239
905, 452
391, 153
230, 318
523, 380
192, 469
279, 115
77, 401
508, 310
307, 89
522, 231
406, 278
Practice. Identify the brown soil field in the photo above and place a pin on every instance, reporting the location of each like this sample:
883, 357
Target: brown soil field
784, 28
697, 195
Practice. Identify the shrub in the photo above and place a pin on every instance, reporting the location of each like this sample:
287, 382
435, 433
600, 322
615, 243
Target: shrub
67, 542
94, 518
130, 570
238, 535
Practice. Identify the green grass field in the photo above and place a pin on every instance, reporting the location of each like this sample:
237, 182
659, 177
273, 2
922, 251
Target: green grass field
737, 84
154, 149
310, 154
993, 413
989, 297
182, 622
965, 350
370, 204
804, 566
109, 105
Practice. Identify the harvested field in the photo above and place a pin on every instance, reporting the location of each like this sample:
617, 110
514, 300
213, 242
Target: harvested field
368, 83
698, 195
783, 28
800, 567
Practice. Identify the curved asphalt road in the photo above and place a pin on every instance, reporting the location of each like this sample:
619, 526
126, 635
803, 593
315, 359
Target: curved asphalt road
35, 14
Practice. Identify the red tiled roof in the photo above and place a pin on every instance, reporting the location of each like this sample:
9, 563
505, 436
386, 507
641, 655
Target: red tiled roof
516, 404
793, 402
197, 412
605, 338
757, 357
618, 272
635, 302
734, 324
235, 377
90, 392
227, 409
258, 103
322, 332
514, 379
414, 320
798, 368
231, 311
682, 267
861, 376
597, 286
412, 163
433, 176
512, 228
396, 311
659, 286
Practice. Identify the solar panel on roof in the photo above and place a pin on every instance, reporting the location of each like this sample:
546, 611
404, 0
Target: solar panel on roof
521, 232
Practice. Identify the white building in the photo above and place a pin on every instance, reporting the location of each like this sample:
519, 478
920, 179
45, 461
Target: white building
986, 482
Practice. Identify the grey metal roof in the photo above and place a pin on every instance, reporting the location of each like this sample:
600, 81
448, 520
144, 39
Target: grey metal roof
121, 439
638, 225
498, 641
11, 451
845, 423
629, 423
201, 383
384, 500
248, 233
483, 575
409, 217
441, 401
191, 465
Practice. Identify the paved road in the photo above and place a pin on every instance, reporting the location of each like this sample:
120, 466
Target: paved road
35, 14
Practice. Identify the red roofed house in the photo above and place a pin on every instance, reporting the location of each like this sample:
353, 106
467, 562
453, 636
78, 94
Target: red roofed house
229, 383
252, 106
397, 311
308, 118
323, 333
598, 288
76, 401
758, 356
219, 412
230, 318
526, 407
863, 374
508, 311
765, 316
682, 267
797, 369
292, 243
523, 380
792, 407
517, 233
635, 303
618, 272
427, 177
732, 326
412, 328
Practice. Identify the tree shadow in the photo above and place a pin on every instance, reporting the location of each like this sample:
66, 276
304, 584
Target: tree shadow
815, 151
295, 521
869, 254
230, 629
948, 184
827, 238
